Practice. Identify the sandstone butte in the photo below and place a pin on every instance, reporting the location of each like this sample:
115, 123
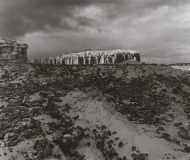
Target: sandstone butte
13, 51
88, 57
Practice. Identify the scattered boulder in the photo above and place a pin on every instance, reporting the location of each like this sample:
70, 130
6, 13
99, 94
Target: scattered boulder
28, 134
40, 146
47, 151
159, 129
13, 143
33, 111
133, 148
2, 134
187, 149
184, 133
165, 135
2, 107
120, 144
140, 156
6, 136
13, 137
177, 124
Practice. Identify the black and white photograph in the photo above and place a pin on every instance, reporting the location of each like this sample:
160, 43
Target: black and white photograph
94, 80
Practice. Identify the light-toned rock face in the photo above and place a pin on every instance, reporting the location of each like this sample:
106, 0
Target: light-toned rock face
92, 57
13, 51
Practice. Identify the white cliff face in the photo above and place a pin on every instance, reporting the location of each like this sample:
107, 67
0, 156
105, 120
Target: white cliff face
93, 57
101, 52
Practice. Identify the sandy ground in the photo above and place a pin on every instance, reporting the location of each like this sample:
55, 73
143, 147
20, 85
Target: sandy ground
130, 134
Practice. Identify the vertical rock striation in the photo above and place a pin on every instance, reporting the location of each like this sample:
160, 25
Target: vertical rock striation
88, 57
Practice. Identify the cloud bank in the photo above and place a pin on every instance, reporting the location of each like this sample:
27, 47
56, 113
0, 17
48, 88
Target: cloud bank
160, 30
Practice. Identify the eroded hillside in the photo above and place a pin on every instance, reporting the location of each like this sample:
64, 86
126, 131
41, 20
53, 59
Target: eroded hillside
124, 111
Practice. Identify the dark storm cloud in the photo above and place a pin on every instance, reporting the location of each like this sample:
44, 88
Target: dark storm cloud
157, 28
26, 16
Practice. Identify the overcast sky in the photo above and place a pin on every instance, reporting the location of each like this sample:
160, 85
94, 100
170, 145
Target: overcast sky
158, 29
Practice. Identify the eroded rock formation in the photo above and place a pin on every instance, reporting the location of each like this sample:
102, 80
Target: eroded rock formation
91, 57
12, 51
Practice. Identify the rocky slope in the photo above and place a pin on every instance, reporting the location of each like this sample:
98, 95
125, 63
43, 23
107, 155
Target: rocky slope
119, 112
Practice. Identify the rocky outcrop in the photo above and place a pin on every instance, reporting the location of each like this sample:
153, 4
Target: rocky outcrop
12, 51
88, 57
